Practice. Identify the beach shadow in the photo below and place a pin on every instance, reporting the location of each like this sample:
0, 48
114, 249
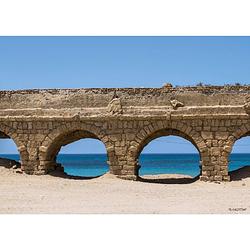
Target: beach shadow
181, 180
72, 177
9, 163
240, 174
62, 174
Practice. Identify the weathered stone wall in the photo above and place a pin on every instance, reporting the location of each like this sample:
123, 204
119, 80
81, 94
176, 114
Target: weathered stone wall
41, 121
75, 98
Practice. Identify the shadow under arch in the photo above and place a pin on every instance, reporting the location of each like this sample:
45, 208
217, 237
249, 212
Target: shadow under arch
9, 133
242, 171
48, 154
162, 133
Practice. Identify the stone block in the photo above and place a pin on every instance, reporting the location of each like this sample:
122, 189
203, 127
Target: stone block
221, 135
207, 135
215, 151
226, 178
217, 178
120, 151
227, 148
224, 172
204, 178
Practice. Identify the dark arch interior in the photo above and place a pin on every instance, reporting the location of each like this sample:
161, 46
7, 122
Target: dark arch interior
9, 155
80, 154
168, 158
239, 159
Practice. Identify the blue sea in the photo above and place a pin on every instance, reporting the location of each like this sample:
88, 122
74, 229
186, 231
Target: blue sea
95, 164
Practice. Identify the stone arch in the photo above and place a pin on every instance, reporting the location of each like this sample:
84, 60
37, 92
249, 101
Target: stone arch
64, 135
164, 128
13, 135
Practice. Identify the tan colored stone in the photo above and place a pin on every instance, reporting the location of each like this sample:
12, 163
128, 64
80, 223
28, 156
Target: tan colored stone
125, 120
207, 135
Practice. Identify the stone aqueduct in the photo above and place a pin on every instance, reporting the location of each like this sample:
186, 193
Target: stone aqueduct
41, 121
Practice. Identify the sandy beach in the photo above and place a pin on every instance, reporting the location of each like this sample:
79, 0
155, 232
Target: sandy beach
21, 193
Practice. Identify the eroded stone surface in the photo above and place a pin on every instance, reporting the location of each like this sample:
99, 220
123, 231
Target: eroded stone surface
176, 104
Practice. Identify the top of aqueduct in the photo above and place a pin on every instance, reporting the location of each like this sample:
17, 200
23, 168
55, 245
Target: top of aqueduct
129, 102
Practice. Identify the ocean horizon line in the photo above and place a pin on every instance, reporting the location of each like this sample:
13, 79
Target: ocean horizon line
140, 154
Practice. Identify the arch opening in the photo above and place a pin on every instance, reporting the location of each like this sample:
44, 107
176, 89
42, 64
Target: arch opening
239, 159
79, 154
169, 156
9, 154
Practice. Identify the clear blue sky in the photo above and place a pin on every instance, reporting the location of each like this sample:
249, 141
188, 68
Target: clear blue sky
79, 62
